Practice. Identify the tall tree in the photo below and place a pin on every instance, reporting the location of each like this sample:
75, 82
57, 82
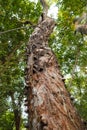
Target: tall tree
48, 103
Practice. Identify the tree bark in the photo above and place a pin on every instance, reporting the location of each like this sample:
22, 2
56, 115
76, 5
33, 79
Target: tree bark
48, 103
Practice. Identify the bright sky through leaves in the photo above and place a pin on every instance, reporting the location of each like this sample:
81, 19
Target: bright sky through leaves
53, 10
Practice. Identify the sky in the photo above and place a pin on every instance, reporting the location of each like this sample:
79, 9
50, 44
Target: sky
53, 10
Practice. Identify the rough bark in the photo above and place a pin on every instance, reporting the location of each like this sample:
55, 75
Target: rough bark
48, 104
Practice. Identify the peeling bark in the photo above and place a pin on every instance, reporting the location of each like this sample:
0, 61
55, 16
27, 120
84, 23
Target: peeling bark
48, 104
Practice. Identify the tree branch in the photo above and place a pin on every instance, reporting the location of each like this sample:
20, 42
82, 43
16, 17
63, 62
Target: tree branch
15, 29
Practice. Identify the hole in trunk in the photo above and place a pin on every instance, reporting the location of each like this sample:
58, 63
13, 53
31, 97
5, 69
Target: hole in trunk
41, 69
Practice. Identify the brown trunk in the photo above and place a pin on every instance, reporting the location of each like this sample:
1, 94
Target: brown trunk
17, 119
17, 115
49, 105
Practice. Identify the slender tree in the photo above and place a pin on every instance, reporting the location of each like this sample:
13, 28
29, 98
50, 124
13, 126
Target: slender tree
16, 111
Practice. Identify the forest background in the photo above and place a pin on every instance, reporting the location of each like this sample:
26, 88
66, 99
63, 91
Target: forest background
70, 50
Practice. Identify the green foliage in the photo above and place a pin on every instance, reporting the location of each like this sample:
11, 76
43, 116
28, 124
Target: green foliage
71, 51
7, 121
13, 38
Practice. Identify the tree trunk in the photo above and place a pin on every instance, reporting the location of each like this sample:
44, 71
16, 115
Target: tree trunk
48, 102
17, 118
17, 113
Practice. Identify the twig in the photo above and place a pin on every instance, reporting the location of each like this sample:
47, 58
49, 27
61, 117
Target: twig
14, 29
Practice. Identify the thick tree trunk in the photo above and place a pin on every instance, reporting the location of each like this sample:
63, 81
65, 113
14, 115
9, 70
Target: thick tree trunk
48, 102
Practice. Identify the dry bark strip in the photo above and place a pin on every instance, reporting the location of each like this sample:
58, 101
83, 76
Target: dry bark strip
48, 102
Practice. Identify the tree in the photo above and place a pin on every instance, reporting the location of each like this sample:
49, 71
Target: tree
48, 103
